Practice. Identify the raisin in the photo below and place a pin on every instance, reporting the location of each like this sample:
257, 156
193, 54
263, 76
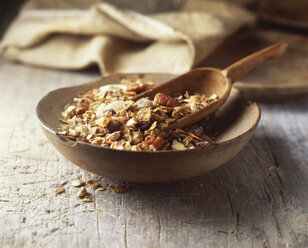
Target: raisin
202, 143
114, 126
197, 130
146, 125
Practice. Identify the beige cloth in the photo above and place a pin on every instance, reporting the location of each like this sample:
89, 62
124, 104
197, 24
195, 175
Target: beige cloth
122, 41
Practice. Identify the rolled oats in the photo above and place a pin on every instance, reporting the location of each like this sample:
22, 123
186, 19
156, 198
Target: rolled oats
82, 192
107, 117
87, 199
93, 184
77, 183
119, 188
59, 190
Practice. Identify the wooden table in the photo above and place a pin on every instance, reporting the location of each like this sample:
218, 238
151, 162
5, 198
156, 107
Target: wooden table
259, 199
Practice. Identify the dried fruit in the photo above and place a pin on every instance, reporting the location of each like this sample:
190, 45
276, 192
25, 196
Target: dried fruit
146, 125
202, 143
82, 192
197, 130
165, 100
59, 190
114, 125
137, 88
77, 183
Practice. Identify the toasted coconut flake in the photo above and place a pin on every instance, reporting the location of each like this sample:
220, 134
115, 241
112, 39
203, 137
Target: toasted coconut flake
176, 145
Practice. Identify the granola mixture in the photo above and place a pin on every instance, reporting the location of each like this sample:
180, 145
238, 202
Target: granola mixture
108, 117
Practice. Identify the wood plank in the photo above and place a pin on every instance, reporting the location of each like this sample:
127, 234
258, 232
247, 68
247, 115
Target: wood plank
259, 199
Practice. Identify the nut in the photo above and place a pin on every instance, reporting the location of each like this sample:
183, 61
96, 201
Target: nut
157, 142
137, 88
165, 100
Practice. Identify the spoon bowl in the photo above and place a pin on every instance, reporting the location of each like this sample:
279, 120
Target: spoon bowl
209, 81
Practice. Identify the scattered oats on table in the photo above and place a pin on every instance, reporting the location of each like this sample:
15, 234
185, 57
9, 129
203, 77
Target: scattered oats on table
82, 192
108, 117
93, 184
77, 183
59, 190
86, 199
119, 188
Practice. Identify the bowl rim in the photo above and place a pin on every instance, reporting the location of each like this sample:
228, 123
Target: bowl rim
74, 143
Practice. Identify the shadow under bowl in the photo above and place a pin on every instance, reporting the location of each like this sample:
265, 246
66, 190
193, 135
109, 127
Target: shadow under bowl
236, 121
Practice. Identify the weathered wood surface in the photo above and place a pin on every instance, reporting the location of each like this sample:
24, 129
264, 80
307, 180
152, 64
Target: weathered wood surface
259, 199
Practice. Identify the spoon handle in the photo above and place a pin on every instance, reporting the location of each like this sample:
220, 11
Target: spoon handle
243, 66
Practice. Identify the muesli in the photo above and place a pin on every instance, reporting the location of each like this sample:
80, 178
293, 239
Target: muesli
108, 117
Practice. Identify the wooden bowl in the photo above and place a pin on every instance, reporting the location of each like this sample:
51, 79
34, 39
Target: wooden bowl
237, 121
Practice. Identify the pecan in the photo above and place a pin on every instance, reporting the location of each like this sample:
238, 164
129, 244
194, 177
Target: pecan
157, 141
137, 88
165, 100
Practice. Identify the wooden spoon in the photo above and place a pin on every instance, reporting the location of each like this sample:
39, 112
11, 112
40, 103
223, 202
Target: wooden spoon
209, 81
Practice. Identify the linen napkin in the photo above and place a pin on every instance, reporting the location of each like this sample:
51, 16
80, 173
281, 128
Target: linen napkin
122, 40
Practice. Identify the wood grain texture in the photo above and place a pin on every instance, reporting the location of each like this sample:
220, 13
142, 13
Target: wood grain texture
259, 199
